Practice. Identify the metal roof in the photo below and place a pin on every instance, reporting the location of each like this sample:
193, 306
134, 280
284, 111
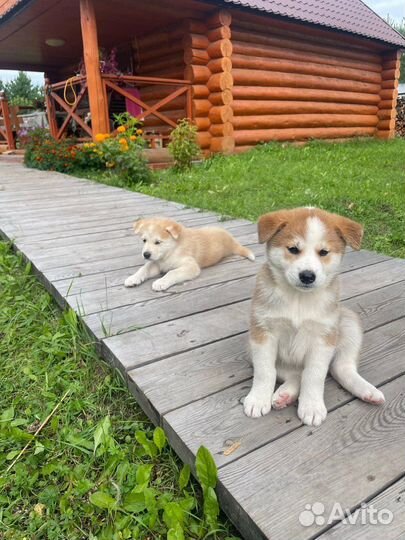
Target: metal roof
346, 15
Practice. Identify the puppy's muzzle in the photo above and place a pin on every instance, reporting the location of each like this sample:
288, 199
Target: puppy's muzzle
147, 255
307, 277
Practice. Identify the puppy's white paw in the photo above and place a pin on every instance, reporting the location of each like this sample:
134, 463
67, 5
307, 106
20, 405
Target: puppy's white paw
160, 285
283, 399
312, 412
373, 396
133, 281
256, 404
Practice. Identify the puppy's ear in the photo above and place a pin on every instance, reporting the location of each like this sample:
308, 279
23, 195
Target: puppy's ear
270, 224
350, 231
138, 225
174, 229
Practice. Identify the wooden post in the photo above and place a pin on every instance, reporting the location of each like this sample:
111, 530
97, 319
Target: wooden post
50, 110
7, 121
97, 95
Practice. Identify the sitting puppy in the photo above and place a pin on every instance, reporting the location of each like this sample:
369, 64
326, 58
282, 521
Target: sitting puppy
170, 247
298, 329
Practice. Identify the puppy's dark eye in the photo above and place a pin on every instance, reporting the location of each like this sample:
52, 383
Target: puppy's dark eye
144, 240
157, 242
323, 253
294, 250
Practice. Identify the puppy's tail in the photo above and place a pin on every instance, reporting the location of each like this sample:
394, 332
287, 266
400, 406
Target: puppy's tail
243, 251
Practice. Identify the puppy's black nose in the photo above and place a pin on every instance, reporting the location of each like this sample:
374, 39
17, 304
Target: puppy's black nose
146, 255
307, 277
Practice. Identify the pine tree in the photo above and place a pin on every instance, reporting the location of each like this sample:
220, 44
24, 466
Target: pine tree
21, 90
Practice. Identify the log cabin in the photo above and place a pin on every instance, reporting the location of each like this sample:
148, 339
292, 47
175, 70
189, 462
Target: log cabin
245, 71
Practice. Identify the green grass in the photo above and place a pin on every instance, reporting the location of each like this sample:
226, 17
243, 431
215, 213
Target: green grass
98, 469
363, 180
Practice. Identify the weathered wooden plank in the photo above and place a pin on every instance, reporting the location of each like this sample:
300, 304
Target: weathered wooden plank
195, 374
115, 278
195, 330
355, 455
119, 230
165, 307
391, 500
218, 418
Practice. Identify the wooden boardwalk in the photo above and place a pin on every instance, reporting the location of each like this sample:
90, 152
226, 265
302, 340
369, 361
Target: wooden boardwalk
185, 358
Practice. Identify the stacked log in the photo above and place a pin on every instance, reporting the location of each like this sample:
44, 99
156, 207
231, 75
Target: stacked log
220, 82
161, 55
400, 120
388, 94
196, 58
287, 87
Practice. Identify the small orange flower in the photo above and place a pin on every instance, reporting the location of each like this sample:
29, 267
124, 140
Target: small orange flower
121, 129
139, 131
123, 141
100, 137
133, 137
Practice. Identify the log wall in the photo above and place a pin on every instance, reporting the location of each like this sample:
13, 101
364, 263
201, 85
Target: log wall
389, 93
208, 58
161, 54
290, 87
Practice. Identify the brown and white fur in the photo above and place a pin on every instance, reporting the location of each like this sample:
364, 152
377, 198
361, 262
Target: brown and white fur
180, 252
298, 328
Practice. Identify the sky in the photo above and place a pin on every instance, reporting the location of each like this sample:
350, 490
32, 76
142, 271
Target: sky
394, 8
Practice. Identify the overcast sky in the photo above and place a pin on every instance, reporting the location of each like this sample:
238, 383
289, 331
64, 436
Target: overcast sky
394, 8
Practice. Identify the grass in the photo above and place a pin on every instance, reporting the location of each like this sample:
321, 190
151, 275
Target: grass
363, 180
98, 470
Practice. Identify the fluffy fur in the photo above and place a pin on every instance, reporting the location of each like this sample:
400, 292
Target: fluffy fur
179, 252
298, 329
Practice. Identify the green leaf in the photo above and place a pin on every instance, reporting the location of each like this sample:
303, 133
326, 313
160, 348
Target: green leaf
175, 533
148, 446
173, 515
7, 415
211, 507
206, 468
184, 477
134, 502
102, 500
159, 438
102, 432
11, 455
143, 473
39, 448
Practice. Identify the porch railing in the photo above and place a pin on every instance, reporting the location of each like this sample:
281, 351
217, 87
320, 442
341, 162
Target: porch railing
6, 126
64, 100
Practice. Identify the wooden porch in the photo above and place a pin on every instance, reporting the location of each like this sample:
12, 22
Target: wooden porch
69, 112
184, 356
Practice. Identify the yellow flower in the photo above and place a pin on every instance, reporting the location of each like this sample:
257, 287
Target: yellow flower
121, 129
123, 141
86, 145
139, 132
92, 145
133, 137
110, 164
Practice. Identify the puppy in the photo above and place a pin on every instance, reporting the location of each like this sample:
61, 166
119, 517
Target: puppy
298, 329
181, 252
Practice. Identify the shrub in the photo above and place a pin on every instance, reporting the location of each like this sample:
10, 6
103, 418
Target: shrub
183, 144
43, 152
120, 153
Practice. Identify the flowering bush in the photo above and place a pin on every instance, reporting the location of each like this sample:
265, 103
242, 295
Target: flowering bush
120, 153
43, 152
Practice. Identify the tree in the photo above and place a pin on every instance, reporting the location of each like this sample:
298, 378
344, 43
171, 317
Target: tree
21, 90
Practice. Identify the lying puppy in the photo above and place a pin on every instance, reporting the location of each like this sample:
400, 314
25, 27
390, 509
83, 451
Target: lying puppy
170, 247
298, 328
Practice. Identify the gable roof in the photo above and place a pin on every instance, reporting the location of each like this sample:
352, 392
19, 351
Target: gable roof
347, 15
